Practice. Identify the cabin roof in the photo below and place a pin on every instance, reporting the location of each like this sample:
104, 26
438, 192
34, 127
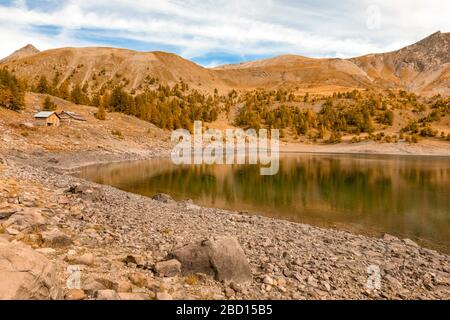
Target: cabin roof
45, 114
73, 115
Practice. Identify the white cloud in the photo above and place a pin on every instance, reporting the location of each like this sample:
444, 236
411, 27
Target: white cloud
236, 27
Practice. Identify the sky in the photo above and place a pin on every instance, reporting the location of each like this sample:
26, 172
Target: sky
215, 32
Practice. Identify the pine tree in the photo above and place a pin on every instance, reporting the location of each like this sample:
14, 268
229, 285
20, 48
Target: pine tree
11, 91
101, 112
48, 105
64, 91
78, 97
43, 86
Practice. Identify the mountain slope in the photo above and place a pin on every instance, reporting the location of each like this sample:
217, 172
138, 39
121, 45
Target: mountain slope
422, 67
99, 66
296, 72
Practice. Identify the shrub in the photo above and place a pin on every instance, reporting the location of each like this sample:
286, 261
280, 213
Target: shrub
117, 133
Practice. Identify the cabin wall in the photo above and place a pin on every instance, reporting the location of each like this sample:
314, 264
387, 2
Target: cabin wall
53, 121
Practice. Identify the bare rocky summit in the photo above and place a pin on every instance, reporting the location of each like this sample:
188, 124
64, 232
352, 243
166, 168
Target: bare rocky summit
24, 52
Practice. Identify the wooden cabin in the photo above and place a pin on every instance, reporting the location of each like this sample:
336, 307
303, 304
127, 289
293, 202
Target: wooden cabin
68, 116
47, 118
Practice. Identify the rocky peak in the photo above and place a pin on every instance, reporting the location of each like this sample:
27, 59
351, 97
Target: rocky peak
26, 51
426, 54
29, 48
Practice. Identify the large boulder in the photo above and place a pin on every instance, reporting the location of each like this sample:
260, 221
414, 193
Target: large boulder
221, 257
26, 274
28, 218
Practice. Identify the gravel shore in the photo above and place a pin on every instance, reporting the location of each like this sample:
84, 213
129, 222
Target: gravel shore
288, 260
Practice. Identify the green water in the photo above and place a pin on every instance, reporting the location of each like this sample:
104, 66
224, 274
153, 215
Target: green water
400, 195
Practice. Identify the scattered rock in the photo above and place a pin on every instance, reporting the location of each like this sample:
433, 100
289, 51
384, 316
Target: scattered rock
106, 295
75, 294
410, 243
46, 251
268, 280
107, 283
138, 260
92, 286
11, 231
25, 219
229, 293
312, 281
122, 286
168, 268
86, 259
138, 279
221, 257
164, 198
388, 237
6, 212
56, 238
133, 296
26, 274
163, 296
86, 192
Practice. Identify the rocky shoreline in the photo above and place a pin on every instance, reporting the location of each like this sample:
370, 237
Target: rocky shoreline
125, 245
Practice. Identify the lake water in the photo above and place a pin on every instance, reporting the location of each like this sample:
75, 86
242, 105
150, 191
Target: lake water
401, 195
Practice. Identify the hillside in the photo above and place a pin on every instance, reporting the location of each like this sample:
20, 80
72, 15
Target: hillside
98, 67
423, 68
119, 133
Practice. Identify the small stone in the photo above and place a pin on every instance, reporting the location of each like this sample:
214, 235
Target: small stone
138, 279
229, 292
12, 231
268, 280
411, 243
56, 238
133, 296
107, 283
169, 268
135, 259
163, 296
312, 281
92, 286
86, 259
393, 281
326, 286
46, 251
162, 197
6, 213
153, 285
122, 286
388, 237
235, 286
281, 282
75, 294
106, 295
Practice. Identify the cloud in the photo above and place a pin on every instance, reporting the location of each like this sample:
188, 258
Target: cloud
235, 29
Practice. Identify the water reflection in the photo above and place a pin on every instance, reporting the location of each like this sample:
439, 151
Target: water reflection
405, 196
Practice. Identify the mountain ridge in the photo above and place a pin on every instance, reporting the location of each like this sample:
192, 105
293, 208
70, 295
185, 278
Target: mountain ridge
422, 67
